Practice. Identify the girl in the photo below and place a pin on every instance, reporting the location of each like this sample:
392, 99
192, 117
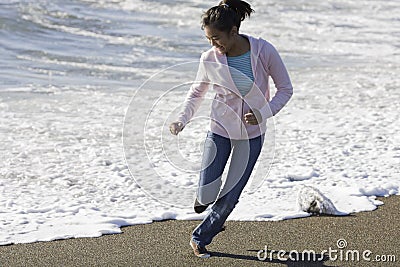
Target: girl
237, 67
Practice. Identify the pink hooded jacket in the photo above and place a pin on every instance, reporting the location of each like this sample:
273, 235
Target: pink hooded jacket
228, 106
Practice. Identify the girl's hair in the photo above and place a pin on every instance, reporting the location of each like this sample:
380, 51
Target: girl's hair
227, 14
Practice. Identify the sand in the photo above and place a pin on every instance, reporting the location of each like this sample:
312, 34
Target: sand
166, 243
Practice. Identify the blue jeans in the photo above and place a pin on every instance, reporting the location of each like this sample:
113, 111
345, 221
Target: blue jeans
217, 150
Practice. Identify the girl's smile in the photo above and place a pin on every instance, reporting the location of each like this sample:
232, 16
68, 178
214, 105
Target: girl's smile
229, 43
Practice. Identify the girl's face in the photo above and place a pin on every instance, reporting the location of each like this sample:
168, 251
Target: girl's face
222, 41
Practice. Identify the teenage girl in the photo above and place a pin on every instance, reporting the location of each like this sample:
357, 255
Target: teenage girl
238, 68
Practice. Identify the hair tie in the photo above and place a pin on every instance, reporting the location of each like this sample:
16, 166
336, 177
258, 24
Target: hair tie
225, 5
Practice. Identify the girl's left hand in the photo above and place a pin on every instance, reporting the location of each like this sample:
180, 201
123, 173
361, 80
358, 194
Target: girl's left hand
251, 117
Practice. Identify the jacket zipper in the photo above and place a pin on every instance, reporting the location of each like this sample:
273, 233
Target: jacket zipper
241, 121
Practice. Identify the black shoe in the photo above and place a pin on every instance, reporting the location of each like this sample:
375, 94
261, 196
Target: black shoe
199, 208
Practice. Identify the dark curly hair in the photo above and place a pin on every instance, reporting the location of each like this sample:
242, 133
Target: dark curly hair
227, 14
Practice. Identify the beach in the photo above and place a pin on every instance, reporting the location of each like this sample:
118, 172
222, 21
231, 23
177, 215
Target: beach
166, 243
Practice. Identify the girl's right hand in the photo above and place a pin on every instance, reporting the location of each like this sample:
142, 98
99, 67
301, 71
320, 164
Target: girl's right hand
176, 127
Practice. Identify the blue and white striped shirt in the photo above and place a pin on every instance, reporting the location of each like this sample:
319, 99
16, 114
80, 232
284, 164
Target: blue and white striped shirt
243, 77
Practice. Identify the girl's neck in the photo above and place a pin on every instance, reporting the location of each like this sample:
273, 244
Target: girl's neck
242, 45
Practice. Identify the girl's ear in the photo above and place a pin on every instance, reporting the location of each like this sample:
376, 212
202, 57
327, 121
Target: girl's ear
234, 31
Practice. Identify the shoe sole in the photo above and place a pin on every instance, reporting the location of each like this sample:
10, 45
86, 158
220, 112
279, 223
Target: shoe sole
203, 256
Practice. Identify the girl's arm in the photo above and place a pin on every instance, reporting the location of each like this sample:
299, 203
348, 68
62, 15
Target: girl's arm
280, 76
195, 95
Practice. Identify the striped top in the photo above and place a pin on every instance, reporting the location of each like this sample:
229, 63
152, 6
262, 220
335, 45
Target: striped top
243, 78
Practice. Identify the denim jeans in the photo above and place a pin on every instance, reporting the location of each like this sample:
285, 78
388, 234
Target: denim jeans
217, 150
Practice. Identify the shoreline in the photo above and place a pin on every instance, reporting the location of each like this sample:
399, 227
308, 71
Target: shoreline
166, 243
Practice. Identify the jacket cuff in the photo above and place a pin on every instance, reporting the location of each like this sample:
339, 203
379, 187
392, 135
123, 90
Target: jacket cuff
266, 112
182, 119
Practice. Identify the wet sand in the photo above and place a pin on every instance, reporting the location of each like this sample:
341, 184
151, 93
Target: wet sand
166, 243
